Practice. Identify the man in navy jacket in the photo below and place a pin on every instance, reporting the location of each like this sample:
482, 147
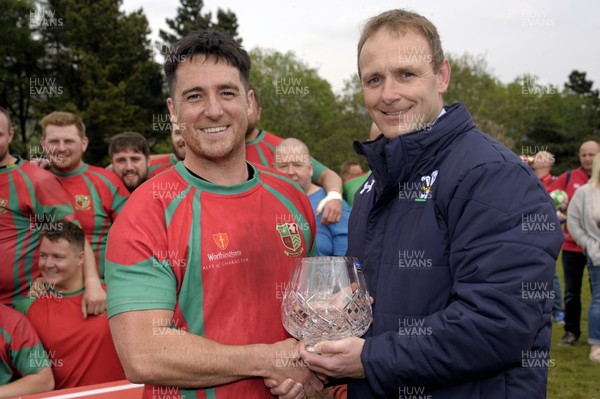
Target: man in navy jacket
457, 239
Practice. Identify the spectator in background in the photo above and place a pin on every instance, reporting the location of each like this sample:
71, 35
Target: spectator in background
583, 220
350, 169
81, 350
351, 186
96, 193
162, 162
24, 365
260, 149
29, 198
542, 166
129, 155
292, 157
573, 259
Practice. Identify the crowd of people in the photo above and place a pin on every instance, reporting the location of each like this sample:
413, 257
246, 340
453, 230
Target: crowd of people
167, 269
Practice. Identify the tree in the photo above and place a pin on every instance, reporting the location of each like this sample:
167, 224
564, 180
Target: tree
99, 65
298, 103
579, 84
190, 18
18, 64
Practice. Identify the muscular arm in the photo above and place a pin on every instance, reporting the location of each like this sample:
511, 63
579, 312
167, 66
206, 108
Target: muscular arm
94, 297
42, 381
330, 181
151, 354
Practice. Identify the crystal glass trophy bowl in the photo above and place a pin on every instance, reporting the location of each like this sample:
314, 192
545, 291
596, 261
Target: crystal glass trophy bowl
326, 299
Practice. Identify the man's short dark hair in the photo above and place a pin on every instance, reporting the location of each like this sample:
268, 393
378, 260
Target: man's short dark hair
208, 43
129, 140
63, 229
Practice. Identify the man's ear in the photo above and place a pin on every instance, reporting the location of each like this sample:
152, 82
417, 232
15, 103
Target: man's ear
85, 141
443, 76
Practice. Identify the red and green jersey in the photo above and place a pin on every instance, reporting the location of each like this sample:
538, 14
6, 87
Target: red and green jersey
30, 197
81, 351
161, 164
569, 182
98, 196
351, 187
21, 352
219, 257
261, 150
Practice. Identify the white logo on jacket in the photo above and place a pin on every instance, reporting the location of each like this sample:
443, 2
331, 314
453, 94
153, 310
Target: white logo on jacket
427, 184
368, 186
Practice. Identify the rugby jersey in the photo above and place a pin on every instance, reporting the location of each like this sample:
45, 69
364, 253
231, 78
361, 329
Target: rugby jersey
261, 150
21, 352
97, 196
81, 351
218, 256
30, 198
161, 164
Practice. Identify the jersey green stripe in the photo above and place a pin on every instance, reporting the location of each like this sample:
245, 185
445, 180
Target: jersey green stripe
215, 188
174, 204
261, 155
270, 146
191, 297
5, 372
23, 305
5, 368
23, 252
318, 169
100, 227
6, 335
118, 200
140, 286
77, 171
257, 139
31, 360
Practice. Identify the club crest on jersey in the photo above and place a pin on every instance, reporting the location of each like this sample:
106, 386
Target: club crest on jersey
222, 240
3, 205
290, 237
426, 187
83, 202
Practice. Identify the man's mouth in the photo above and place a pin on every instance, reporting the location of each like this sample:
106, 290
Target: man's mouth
216, 129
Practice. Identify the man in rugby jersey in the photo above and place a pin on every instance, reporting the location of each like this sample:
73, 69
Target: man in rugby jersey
24, 365
30, 197
81, 351
129, 154
260, 149
194, 278
96, 193
292, 158
160, 163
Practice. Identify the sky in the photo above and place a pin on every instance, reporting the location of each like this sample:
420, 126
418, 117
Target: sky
546, 38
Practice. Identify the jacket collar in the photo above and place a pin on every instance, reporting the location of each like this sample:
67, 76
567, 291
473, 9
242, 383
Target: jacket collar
394, 161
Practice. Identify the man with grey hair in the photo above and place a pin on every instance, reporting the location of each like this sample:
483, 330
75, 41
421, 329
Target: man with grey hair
456, 236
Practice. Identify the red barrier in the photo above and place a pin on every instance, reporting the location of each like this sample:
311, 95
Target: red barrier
110, 390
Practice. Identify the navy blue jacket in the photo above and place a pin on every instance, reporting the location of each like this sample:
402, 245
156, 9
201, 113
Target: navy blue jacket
458, 241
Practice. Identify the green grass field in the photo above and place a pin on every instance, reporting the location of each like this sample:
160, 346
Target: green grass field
573, 376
